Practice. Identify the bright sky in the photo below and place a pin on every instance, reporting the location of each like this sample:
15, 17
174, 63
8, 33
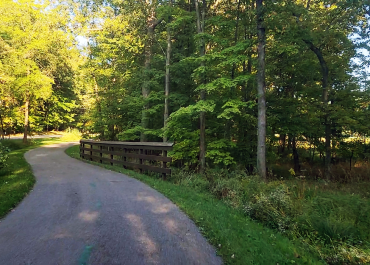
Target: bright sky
82, 42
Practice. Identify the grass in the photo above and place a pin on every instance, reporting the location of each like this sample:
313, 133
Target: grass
329, 218
71, 135
237, 238
16, 180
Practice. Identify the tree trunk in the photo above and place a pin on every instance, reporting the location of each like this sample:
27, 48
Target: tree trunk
289, 146
202, 117
26, 113
99, 108
152, 23
111, 132
232, 90
2, 131
167, 81
297, 167
313, 153
325, 82
145, 87
47, 116
282, 141
261, 88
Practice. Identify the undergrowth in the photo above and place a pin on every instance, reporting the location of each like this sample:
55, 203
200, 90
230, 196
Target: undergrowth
333, 223
71, 135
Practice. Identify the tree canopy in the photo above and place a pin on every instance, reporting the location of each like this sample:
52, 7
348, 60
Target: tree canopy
39, 60
194, 73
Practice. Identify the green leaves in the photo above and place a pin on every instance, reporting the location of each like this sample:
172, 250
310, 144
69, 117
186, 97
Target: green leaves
218, 152
234, 107
123, 60
40, 58
4, 155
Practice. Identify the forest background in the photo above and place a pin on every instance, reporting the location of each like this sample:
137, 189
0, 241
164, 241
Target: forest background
278, 89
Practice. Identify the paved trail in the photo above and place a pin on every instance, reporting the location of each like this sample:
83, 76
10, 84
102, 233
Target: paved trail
35, 136
83, 214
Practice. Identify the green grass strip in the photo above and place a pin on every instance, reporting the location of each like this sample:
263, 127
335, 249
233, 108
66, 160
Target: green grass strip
238, 239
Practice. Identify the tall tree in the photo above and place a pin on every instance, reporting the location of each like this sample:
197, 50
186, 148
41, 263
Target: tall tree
152, 23
201, 13
261, 88
217, 70
41, 49
167, 78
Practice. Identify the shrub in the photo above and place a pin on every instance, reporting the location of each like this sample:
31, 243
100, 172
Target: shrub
228, 189
190, 179
3, 155
71, 135
338, 217
335, 224
196, 182
274, 209
13, 144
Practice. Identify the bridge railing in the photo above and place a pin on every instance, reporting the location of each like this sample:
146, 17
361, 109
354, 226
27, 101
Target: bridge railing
150, 156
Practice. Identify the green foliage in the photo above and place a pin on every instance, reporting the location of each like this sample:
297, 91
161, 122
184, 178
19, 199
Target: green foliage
218, 153
120, 67
334, 224
4, 155
339, 217
40, 60
353, 150
71, 135
274, 209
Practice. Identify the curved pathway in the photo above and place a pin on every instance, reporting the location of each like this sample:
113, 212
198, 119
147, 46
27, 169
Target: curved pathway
79, 213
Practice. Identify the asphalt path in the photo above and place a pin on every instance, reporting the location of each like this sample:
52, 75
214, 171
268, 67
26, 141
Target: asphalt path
35, 136
79, 213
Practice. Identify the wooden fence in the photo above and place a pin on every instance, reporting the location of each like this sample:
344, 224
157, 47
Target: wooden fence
151, 156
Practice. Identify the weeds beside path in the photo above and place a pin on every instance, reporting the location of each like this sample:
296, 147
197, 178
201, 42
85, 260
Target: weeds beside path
238, 239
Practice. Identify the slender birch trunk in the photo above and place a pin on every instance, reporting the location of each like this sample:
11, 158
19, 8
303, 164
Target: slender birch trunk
26, 114
167, 81
261, 88
152, 23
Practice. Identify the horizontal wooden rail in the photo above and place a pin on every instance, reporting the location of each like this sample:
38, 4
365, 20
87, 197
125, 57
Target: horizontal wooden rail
136, 155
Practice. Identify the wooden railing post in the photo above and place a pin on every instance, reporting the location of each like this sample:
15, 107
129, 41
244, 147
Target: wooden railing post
111, 156
124, 157
141, 160
91, 152
111, 148
164, 164
101, 154
82, 150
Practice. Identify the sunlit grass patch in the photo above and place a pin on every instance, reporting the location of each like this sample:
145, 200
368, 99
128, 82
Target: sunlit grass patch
71, 135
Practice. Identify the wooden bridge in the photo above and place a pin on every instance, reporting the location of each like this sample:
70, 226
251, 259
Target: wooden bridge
150, 156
